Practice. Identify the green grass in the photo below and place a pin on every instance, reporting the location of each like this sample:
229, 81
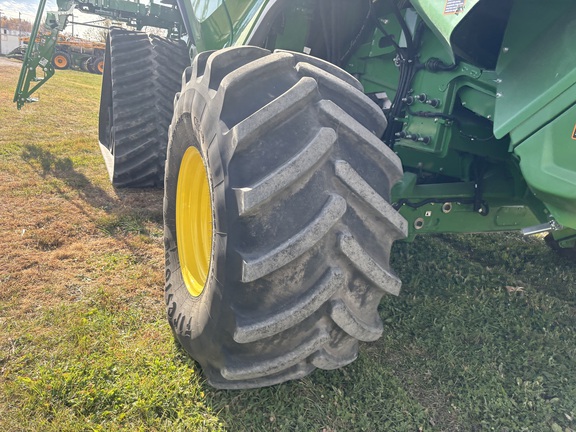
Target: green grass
483, 336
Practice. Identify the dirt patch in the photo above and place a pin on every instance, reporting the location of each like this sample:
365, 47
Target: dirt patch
6, 62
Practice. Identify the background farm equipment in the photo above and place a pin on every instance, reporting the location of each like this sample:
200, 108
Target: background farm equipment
70, 52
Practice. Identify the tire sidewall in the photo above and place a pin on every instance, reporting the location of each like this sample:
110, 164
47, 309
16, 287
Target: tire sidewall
280, 299
193, 319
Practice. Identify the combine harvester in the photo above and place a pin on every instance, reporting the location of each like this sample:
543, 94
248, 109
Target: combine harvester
296, 140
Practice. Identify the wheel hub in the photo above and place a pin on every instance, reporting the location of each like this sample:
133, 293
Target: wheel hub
194, 221
60, 61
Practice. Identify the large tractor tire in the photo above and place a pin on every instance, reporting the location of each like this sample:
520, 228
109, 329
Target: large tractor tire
61, 60
277, 221
142, 74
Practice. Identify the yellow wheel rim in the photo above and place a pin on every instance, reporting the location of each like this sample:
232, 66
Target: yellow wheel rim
194, 221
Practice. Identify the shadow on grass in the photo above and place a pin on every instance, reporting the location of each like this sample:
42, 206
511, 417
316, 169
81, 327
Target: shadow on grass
126, 212
63, 169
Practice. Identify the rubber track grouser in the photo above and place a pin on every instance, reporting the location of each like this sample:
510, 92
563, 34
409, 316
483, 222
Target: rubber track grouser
141, 75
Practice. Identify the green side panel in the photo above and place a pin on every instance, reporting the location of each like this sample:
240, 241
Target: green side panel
504, 205
244, 16
548, 163
443, 16
454, 217
209, 24
217, 23
536, 68
566, 238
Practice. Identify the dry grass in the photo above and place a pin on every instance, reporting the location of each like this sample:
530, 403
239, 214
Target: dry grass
57, 199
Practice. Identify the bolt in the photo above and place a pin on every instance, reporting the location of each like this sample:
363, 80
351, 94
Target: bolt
409, 100
505, 49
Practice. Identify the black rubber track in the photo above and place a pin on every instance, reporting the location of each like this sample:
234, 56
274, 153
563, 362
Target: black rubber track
302, 223
142, 74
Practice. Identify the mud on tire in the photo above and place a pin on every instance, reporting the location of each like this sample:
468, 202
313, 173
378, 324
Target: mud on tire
301, 221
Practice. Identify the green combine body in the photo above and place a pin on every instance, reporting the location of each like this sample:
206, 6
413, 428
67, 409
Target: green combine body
421, 117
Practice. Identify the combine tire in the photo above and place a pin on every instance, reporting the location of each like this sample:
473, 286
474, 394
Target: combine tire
277, 221
61, 60
141, 75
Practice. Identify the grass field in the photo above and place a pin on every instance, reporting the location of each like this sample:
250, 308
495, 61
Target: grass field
483, 336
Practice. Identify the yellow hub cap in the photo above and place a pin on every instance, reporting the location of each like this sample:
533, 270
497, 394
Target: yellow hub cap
194, 221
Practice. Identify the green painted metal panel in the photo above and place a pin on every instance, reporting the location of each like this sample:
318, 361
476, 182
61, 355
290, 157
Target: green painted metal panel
217, 23
548, 163
461, 218
244, 15
443, 16
566, 238
535, 67
203, 9
506, 205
